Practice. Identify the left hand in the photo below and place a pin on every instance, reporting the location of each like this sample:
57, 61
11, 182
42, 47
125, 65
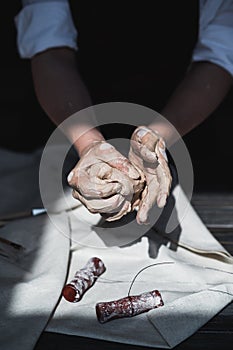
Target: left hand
148, 153
106, 182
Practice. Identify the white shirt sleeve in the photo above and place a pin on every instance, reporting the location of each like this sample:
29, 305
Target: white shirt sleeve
44, 24
215, 41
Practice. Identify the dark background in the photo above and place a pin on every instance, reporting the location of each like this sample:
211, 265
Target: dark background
24, 126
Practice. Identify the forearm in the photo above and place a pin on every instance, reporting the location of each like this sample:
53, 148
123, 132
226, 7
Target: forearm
197, 96
61, 93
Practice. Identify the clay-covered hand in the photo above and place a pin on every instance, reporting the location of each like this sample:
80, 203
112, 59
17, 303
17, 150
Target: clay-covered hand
106, 182
148, 153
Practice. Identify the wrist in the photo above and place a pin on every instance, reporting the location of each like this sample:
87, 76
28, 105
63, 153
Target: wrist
83, 141
166, 130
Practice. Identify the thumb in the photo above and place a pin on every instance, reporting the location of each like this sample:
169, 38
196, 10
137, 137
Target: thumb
143, 142
123, 164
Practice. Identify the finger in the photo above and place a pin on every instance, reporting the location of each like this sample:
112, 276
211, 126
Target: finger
149, 197
91, 183
164, 186
100, 171
88, 167
127, 184
163, 173
105, 205
142, 151
101, 183
143, 142
115, 159
99, 174
126, 208
123, 164
142, 216
90, 189
160, 150
146, 136
120, 182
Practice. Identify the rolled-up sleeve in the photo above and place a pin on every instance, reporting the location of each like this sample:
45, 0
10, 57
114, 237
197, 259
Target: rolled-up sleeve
44, 24
215, 41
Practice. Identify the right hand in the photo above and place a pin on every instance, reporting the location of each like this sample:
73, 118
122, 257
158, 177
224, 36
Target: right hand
106, 182
148, 153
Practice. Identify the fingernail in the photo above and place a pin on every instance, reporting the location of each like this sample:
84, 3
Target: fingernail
143, 222
133, 173
142, 132
142, 219
162, 149
162, 200
117, 187
69, 177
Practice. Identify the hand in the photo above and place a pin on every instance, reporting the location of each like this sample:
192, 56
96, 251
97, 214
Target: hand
148, 153
106, 182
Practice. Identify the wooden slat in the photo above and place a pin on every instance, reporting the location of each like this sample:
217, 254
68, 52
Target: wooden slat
215, 210
212, 197
199, 341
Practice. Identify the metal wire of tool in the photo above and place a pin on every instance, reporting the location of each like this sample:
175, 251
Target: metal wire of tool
146, 267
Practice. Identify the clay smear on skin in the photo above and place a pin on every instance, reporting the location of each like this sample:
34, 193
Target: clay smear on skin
105, 146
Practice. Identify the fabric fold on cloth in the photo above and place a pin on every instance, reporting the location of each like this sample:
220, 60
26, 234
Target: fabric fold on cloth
31, 286
31, 280
175, 322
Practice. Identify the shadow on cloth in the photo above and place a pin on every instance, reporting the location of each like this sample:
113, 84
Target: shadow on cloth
126, 229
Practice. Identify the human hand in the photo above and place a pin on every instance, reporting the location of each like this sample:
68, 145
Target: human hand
106, 182
148, 153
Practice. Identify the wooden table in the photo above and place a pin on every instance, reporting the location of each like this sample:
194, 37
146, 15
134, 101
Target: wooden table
216, 211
